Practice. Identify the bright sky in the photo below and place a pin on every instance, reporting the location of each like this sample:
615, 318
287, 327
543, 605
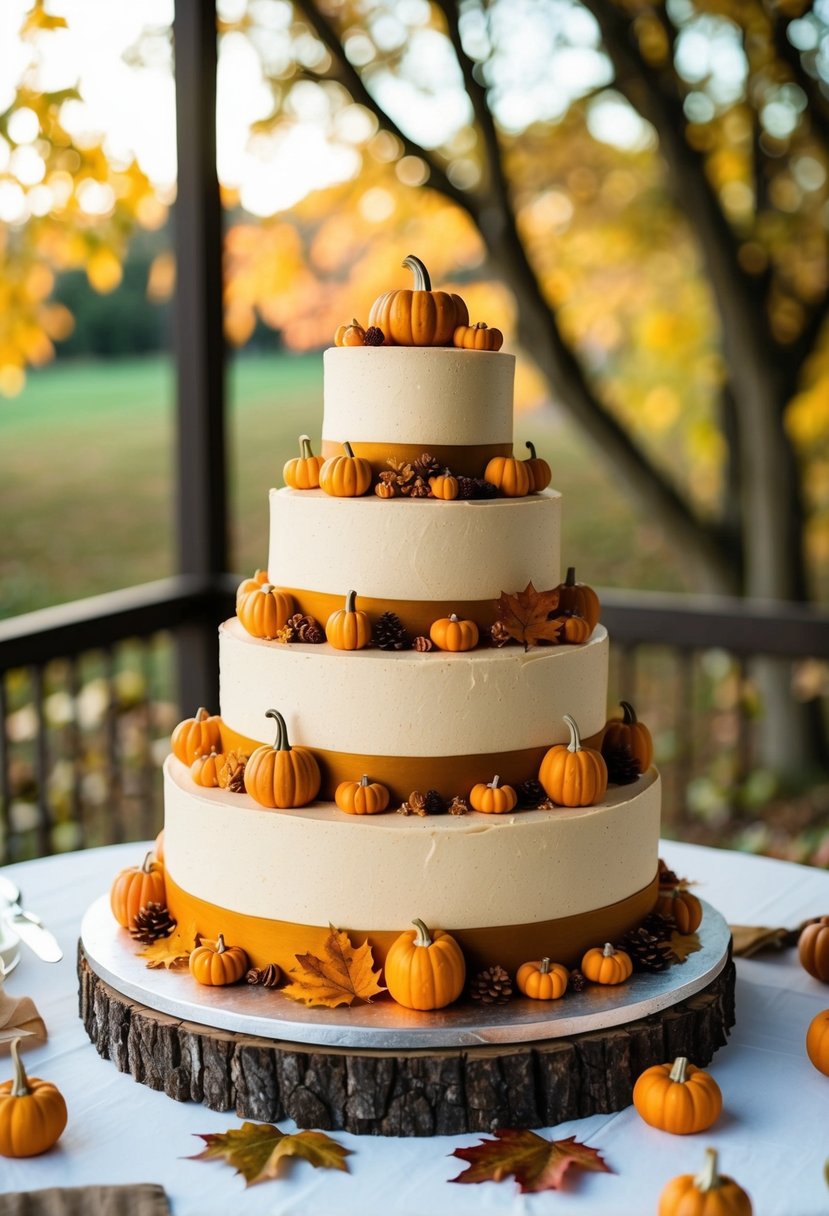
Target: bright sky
134, 104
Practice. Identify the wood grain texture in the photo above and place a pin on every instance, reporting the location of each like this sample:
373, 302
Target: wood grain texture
384, 1093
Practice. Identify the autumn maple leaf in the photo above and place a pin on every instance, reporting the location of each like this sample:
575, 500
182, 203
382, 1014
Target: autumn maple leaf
529, 615
345, 974
683, 944
535, 1163
172, 951
259, 1151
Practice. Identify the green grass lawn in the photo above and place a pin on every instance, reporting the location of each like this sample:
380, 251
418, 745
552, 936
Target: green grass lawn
88, 459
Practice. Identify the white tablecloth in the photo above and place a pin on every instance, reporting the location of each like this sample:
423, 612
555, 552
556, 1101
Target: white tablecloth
773, 1135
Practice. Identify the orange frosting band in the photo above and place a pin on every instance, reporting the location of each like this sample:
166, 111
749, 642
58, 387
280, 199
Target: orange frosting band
469, 459
417, 616
274, 941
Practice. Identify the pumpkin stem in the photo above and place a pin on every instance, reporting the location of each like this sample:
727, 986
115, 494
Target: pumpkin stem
364, 780
349, 451
453, 617
266, 588
575, 742
708, 1179
20, 1082
201, 714
545, 966
493, 785
422, 938
678, 1072
531, 446
608, 950
630, 718
220, 944
305, 447
422, 282
570, 580
280, 743
147, 863
349, 601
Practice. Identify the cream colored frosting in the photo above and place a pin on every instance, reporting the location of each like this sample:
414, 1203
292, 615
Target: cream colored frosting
318, 865
403, 703
422, 395
414, 549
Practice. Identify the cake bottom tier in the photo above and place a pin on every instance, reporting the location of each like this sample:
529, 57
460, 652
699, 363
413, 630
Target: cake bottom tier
509, 887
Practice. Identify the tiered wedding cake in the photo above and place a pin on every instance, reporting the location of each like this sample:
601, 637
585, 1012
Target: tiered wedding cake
526, 883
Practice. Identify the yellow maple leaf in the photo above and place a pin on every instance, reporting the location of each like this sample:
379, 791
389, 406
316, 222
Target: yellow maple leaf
172, 951
345, 974
260, 1150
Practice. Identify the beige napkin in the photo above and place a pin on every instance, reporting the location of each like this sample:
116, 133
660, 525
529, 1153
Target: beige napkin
19, 1018
143, 1199
754, 939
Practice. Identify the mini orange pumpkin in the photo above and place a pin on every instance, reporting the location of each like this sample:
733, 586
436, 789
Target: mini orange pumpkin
423, 970
709, 1193
542, 980
817, 1041
578, 598
575, 630
265, 611
347, 476
677, 1097
510, 475
631, 733
282, 776
682, 905
604, 965
32, 1112
360, 797
492, 799
350, 335
215, 964
813, 949
347, 629
421, 317
444, 486
205, 769
571, 774
452, 633
478, 337
303, 472
540, 472
134, 888
250, 584
196, 736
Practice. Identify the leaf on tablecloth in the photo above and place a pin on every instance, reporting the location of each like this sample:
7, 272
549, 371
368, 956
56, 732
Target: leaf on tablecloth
754, 939
259, 1151
19, 1018
526, 615
172, 951
535, 1163
344, 975
683, 944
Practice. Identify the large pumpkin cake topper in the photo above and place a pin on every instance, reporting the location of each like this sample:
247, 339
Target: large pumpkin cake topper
418, 317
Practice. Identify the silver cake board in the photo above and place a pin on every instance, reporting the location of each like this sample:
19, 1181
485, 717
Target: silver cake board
378, 1068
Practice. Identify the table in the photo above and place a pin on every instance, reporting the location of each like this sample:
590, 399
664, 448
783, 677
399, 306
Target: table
772, 1135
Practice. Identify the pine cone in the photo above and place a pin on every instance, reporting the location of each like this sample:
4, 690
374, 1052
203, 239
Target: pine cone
232, 773
151, 922
391, 634
424, 645
660, 926
647, 951
530, 793
400, 474
385, 489
547, 804
492, 986
466, 487
434, 803
306, 629
374, 336
267, 976
577, 981
622, 766
499, 634
668, 878
416, 489
458, 806
415, 804
426, 466
485, 489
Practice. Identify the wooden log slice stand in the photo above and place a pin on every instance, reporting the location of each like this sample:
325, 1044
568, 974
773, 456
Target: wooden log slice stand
391, 1093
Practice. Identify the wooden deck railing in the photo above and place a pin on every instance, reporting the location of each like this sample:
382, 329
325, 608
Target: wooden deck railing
89, 694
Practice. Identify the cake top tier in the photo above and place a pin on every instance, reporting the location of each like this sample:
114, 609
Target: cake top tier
426, 396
